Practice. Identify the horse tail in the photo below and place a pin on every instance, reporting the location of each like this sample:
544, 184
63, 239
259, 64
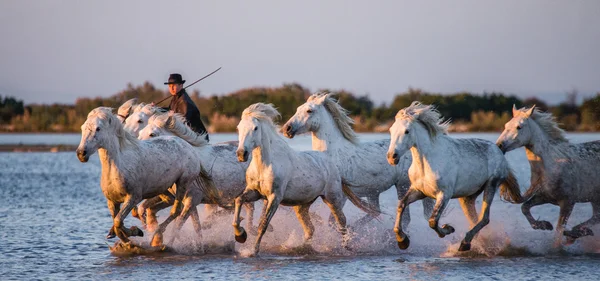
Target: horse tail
510, 190
364, 206
207, 186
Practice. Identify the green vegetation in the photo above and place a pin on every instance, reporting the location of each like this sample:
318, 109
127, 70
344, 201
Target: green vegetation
468, 111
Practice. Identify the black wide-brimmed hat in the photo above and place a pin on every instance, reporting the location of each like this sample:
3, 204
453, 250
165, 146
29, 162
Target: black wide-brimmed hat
175, 78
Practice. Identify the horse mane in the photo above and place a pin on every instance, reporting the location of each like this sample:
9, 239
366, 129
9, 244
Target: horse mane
338, 113
426, 115
263, 112
106, 113
547, 123
178, 125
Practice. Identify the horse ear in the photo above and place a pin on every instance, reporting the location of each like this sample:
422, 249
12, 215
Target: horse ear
530, 111
515, 110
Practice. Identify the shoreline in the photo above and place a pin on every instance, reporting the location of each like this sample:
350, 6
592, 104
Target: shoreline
37, 147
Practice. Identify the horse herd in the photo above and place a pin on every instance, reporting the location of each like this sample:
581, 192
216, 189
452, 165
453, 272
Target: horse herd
152, 156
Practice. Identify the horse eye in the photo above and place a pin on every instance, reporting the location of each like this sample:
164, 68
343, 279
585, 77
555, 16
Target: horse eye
519, 127
140, 121
97, 129
309, 111
152, 135
406, 132
255, 128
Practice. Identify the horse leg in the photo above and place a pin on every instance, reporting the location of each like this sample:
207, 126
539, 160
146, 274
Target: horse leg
372, 200
484, 219
582, 229
250, 215
566, 207
113, 208
304, 218
335, 202
441, 202
249, 195
526, 210
211, 211
271, 207
183, 216
119, 229
468, 206
157, 239
151, 221
411, 196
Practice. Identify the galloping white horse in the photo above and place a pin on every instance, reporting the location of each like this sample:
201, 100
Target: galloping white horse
227, 174
284, 176
362, 165
445, 168
133, 170
561, 173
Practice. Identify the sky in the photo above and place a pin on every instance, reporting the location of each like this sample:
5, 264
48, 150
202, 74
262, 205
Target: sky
57, 51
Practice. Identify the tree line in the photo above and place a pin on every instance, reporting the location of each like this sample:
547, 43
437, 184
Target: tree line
468, 111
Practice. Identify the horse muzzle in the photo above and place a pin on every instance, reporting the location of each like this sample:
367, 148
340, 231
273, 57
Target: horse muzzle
82, 155
502, 147
393, 158
288, 131
242, 155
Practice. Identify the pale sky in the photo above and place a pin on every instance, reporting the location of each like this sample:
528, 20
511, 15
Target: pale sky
56, 51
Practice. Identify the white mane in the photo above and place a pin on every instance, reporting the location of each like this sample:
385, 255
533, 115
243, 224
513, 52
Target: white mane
340, 115
547, 123
262, 112
426, 115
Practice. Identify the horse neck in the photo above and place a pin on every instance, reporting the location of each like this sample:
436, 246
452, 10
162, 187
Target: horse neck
110, 154
541, 151
424, 147
270, 141
328, 137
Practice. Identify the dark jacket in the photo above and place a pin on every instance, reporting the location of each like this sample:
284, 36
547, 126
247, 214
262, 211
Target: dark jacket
182, 103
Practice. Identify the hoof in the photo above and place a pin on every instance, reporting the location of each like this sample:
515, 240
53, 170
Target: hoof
464, 247
135, 231
242, 237
403, 245
578, 233
111, 234
542, 225
157, 240
448, 228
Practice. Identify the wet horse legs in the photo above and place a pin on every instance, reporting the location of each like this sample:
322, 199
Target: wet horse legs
411, 196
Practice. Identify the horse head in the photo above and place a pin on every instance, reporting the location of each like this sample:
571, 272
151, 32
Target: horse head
100, 125
518, 131
416, 122
253, 125
139, 118
307, 118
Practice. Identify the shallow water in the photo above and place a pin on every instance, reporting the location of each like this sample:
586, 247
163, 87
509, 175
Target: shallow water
53, 219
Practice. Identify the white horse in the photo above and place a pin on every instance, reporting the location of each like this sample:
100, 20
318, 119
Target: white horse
137, 120
284, 176
561, 173
445, 168
361, 164
227, 174
133, 170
